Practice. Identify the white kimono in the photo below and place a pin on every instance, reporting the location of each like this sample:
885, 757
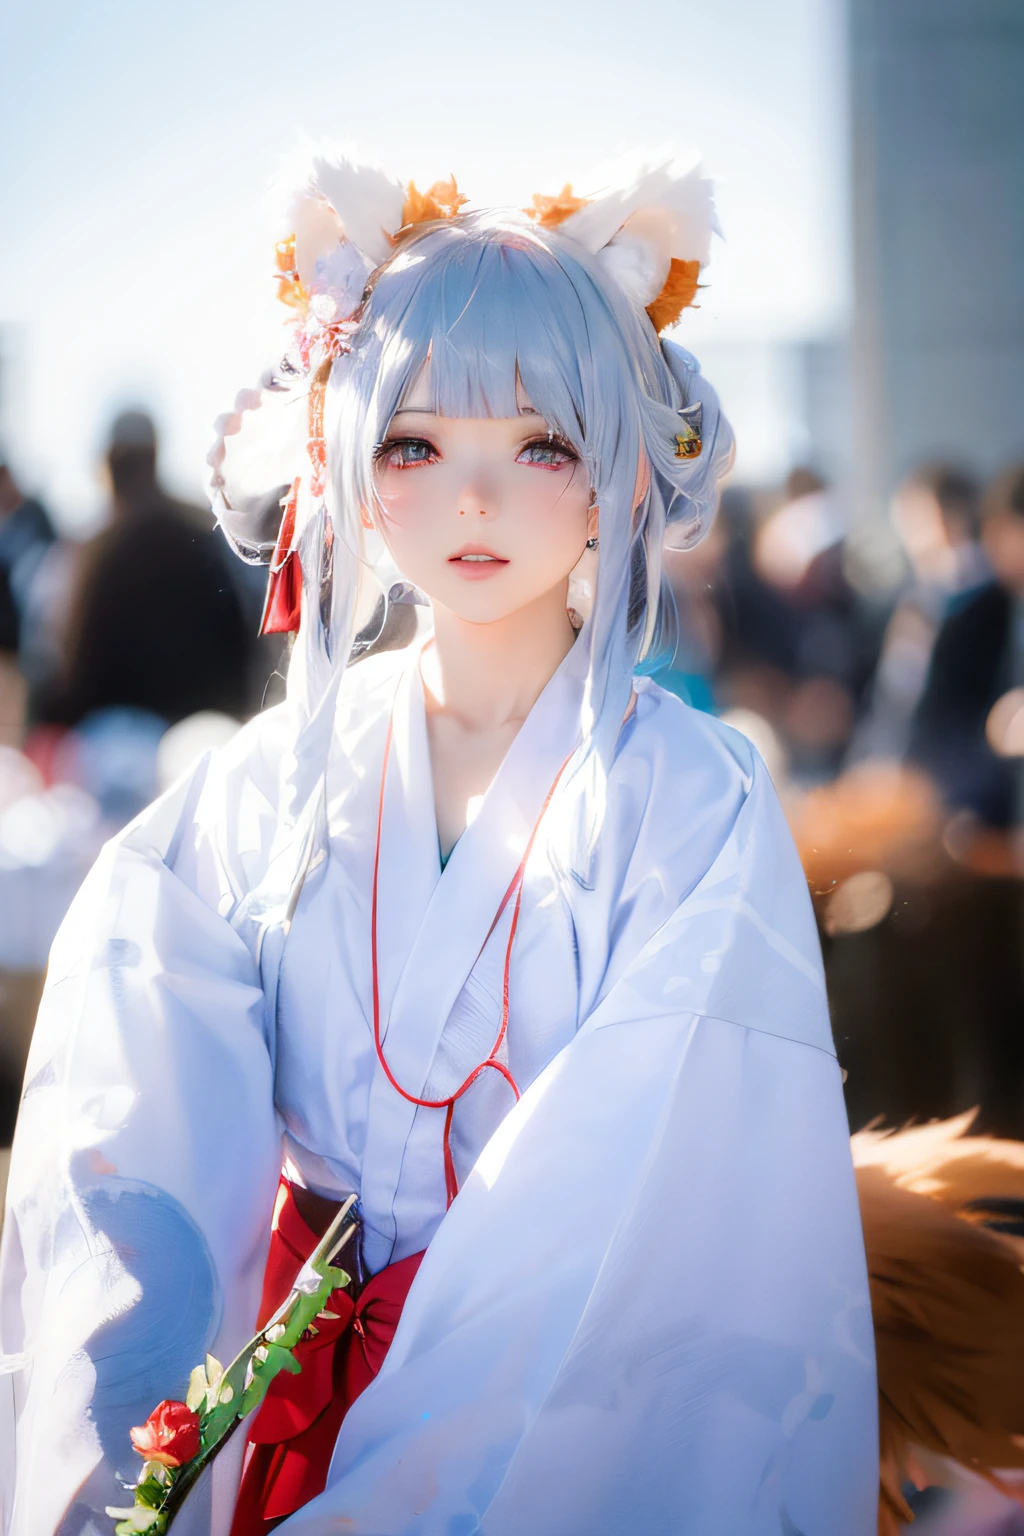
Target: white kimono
646, 1310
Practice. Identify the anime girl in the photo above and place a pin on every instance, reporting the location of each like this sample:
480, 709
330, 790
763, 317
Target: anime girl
483, 928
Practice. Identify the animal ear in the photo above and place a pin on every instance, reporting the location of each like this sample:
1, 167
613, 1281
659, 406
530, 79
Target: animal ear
650, 228
367, 201
639, 255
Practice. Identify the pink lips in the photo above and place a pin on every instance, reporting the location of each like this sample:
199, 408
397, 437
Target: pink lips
475, 562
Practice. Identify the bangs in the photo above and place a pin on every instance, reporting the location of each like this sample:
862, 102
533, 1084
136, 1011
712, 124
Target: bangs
480, 320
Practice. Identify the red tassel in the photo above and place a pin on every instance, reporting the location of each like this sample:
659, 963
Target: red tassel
282, 611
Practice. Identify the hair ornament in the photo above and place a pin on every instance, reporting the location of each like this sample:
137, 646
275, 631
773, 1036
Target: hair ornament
647, 224
549, 212
441, 201
689, 439
282, 605
650, 227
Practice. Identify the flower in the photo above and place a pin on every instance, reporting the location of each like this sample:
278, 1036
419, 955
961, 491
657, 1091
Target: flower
170, 1435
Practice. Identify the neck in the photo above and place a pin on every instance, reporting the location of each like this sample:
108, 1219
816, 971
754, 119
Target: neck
490, 675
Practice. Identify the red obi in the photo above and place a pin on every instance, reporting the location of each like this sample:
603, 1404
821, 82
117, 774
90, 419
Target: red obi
292, 1436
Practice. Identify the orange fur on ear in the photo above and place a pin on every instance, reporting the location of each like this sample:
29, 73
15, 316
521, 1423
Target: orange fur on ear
678, 294
441, 201
947, 1298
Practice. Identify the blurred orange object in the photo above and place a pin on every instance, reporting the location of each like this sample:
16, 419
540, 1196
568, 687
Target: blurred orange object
878, 816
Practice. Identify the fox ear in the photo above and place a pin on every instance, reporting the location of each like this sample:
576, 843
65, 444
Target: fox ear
638, 256
367, 201
650, 228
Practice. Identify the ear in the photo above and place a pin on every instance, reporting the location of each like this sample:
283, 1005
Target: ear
593, 520
368, 202
639, 255
650, 228
366, 519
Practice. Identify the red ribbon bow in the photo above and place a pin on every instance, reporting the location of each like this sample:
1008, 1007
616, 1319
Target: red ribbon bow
292, 1437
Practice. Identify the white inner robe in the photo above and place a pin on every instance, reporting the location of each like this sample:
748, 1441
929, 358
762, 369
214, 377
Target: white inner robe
647, 1308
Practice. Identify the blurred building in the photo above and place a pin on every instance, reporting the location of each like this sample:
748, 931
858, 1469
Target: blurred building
788, 400
937, 109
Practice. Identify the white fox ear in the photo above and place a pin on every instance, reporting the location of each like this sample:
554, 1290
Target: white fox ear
336, 200
650, 227
367, 200
639, 255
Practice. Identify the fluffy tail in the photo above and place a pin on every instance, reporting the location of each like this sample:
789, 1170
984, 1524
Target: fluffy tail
943, 1218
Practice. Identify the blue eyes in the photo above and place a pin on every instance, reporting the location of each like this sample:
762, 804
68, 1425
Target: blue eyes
550, 452
404, 452
401, 452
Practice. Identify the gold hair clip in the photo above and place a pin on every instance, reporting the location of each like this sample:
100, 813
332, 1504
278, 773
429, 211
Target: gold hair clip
689, 441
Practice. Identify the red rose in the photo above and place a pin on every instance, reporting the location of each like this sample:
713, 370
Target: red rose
170, 1435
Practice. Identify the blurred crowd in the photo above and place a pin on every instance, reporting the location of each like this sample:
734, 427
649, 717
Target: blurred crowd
122, 657
880, 672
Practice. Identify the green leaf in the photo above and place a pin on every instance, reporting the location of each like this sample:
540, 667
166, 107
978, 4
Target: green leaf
253, 1395
150, 1492
216, 1422
278, 1359
139, 1519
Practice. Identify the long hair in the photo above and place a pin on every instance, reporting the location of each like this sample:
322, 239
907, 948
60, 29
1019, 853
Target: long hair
485, 302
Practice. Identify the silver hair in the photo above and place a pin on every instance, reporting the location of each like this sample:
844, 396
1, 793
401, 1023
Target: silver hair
489, 300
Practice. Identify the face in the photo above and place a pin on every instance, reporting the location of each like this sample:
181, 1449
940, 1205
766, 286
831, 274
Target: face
485, 515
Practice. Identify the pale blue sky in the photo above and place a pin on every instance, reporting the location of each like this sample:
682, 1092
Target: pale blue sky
139, 137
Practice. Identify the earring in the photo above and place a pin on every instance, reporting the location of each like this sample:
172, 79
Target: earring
591, 543
689, 442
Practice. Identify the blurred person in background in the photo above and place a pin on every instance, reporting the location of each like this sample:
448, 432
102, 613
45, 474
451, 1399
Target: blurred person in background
26, 533
155, 621
11, 684
797, 647
27, 540
936, 515
977, 662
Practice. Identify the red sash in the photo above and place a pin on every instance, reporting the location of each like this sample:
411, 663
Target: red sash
292, 1436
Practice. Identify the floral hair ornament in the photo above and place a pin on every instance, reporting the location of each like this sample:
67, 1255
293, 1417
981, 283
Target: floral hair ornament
346, 219
648, 225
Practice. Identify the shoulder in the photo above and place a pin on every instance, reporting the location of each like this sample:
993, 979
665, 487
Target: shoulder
685, 759
689, 794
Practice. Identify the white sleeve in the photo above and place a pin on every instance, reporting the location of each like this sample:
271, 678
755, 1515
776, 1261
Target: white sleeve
141, 1184
648, 1308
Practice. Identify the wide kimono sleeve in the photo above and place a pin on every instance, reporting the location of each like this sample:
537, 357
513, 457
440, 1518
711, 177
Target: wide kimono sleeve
142, 1178
647, 1311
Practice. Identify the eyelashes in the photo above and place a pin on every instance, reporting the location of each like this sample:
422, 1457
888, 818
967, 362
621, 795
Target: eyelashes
404, 452
552, 452
549, 452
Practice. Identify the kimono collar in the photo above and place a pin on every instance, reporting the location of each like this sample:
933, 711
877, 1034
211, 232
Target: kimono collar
429, 952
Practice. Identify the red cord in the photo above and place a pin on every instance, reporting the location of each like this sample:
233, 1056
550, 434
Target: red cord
516, 885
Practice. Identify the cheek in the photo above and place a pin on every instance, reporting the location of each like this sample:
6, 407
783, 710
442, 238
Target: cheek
407, 497
553, 503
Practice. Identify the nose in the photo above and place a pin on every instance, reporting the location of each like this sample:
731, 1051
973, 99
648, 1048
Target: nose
478, 496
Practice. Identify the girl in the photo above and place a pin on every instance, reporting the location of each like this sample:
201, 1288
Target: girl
484, 929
